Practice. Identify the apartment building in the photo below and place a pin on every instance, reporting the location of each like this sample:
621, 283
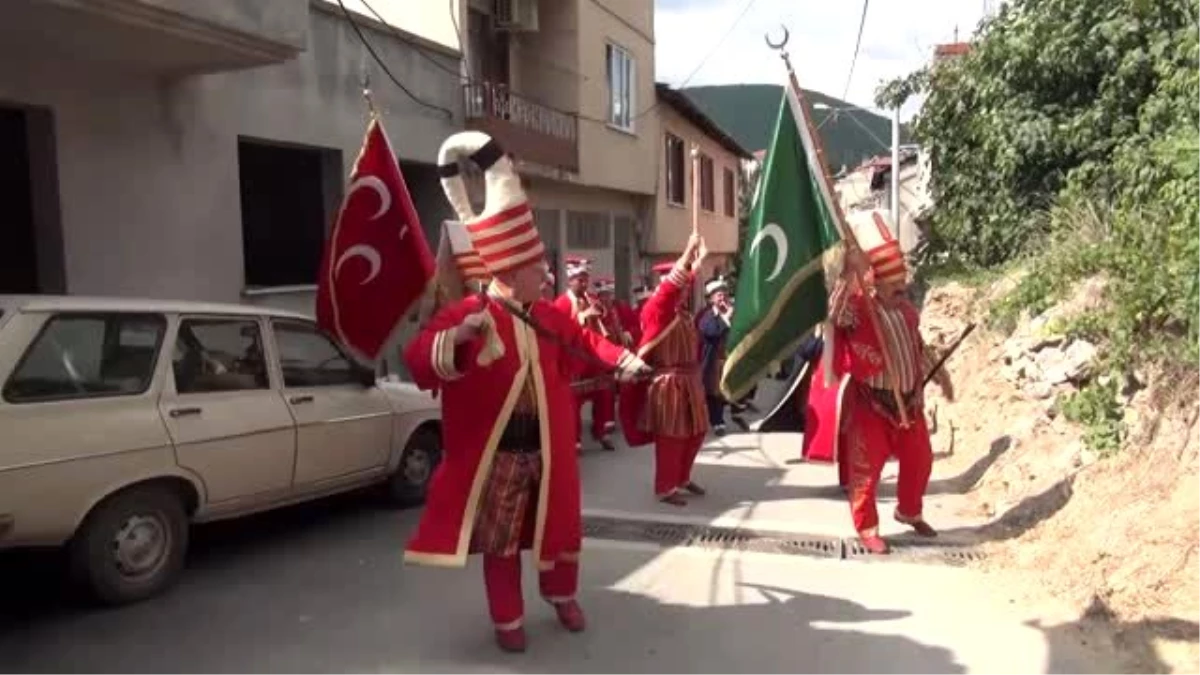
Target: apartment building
198, 150
566, 86
682, 126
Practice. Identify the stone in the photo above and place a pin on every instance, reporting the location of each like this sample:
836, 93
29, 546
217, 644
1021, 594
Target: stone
1038, 390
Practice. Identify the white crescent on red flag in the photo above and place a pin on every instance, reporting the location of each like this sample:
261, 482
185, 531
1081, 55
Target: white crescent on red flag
377, 262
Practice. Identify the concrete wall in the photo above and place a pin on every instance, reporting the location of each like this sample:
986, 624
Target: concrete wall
282, 21
544, 63
672, 222
611, 157
148, 172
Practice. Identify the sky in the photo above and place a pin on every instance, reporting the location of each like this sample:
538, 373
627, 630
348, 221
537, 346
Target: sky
899, 36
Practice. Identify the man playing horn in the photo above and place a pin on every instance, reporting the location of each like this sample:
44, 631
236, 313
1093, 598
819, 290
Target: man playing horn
579, 303
670, 410
871, 407
509, 478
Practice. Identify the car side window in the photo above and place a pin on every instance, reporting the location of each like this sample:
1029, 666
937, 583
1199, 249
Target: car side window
88, 355
219, 355
309, 358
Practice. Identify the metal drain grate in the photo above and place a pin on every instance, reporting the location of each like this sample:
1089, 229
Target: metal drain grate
759, 541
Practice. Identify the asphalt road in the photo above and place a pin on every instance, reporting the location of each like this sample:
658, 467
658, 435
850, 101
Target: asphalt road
321, 588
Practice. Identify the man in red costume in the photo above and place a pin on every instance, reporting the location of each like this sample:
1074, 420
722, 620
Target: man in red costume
509, 479
590, 384
670, 411
611, 319
866, 400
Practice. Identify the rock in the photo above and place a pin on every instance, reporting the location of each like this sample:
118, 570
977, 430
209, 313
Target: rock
1071, 365
1038, 390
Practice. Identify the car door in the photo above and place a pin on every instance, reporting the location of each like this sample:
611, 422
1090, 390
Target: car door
228, 422
343, 427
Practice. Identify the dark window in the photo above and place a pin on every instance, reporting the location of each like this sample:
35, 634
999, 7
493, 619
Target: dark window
676, 171
219, 355
730, 193
621, 72
309, 358
88, 355
287, 204
588, 230
707, 198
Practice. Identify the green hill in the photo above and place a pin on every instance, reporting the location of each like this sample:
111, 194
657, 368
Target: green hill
747, 112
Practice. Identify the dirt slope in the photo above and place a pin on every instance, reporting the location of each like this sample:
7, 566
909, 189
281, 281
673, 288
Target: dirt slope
1112, 540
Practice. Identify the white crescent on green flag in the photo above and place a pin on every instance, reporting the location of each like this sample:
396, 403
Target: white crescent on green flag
781, 293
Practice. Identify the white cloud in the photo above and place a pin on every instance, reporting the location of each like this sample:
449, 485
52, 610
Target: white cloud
899, 37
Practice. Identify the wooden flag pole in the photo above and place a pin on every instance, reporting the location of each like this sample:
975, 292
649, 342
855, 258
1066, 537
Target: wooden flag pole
695, 189
843, 226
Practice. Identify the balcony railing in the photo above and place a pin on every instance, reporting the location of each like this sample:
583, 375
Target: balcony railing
529, 131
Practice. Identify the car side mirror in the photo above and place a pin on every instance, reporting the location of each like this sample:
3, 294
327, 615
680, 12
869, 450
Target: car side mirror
365, 376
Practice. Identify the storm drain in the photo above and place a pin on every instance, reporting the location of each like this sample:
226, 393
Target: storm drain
668, 535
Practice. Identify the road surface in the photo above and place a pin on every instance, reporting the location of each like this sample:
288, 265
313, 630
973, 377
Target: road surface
321, 588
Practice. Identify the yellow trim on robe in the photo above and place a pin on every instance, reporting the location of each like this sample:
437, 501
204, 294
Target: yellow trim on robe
645, 349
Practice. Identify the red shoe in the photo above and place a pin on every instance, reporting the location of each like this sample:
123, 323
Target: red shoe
918, 525
674, 499
570, 615
511, 640
874, 544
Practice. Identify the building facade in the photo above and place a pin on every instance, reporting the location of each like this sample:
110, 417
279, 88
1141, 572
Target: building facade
566, 86
682, 126
199, 151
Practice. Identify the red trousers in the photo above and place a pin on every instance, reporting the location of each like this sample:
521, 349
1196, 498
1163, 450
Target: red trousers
604, 412
673, 460
868, 439
506, 602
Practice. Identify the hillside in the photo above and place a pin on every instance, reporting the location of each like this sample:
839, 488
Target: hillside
747, 112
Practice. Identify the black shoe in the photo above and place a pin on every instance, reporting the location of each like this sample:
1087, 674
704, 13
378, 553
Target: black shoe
719, 430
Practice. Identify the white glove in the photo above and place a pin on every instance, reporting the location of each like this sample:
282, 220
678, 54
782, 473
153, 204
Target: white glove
632, 368
471, 326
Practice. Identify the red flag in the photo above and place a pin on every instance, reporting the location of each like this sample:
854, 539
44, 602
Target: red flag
377, 262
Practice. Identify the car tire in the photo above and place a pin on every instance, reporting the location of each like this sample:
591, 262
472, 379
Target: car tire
406, 487
131, 546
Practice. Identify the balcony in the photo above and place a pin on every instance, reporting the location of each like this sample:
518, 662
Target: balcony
529, 131
161, 37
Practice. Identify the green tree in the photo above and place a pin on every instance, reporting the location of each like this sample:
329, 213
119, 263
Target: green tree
1054, 96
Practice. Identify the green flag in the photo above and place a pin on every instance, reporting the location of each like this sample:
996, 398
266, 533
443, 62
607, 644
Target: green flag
781, 293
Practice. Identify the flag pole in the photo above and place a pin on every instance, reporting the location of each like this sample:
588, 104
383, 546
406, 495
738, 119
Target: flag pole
843, 226
695, 189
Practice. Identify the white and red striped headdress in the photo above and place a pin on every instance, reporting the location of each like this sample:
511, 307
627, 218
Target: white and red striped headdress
503, 234
466, 259
882, 250
605, 285
577, 266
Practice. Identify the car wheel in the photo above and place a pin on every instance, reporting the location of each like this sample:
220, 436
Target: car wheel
132, 545
407, 486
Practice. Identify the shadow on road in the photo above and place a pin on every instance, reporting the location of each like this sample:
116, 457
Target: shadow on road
1128, 646
321, 588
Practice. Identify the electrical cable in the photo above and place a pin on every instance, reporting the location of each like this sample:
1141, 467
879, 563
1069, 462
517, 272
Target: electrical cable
857, 44
363, 38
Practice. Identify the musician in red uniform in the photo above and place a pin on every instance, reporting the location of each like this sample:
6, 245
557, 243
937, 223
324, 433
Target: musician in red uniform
871, 405
631, 314
614, 324
509, 478
579, 303
670, 411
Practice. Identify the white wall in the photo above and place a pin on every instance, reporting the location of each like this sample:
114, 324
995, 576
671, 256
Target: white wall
147, 170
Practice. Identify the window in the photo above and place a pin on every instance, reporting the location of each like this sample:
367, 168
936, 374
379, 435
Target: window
707, 196
588, 230
622, 82
219, 355
730, 193
676, 171
309, 358
289, 196
88, 355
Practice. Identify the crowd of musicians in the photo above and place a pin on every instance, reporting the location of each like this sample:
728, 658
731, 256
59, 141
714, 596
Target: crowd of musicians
514, 366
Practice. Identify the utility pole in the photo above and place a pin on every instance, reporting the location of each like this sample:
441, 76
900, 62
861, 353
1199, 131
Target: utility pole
896, 175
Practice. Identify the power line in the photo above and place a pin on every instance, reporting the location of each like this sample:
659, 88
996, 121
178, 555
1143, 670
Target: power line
857, 44
363, 38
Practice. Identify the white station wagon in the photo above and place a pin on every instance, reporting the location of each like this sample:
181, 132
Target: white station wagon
122, 421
